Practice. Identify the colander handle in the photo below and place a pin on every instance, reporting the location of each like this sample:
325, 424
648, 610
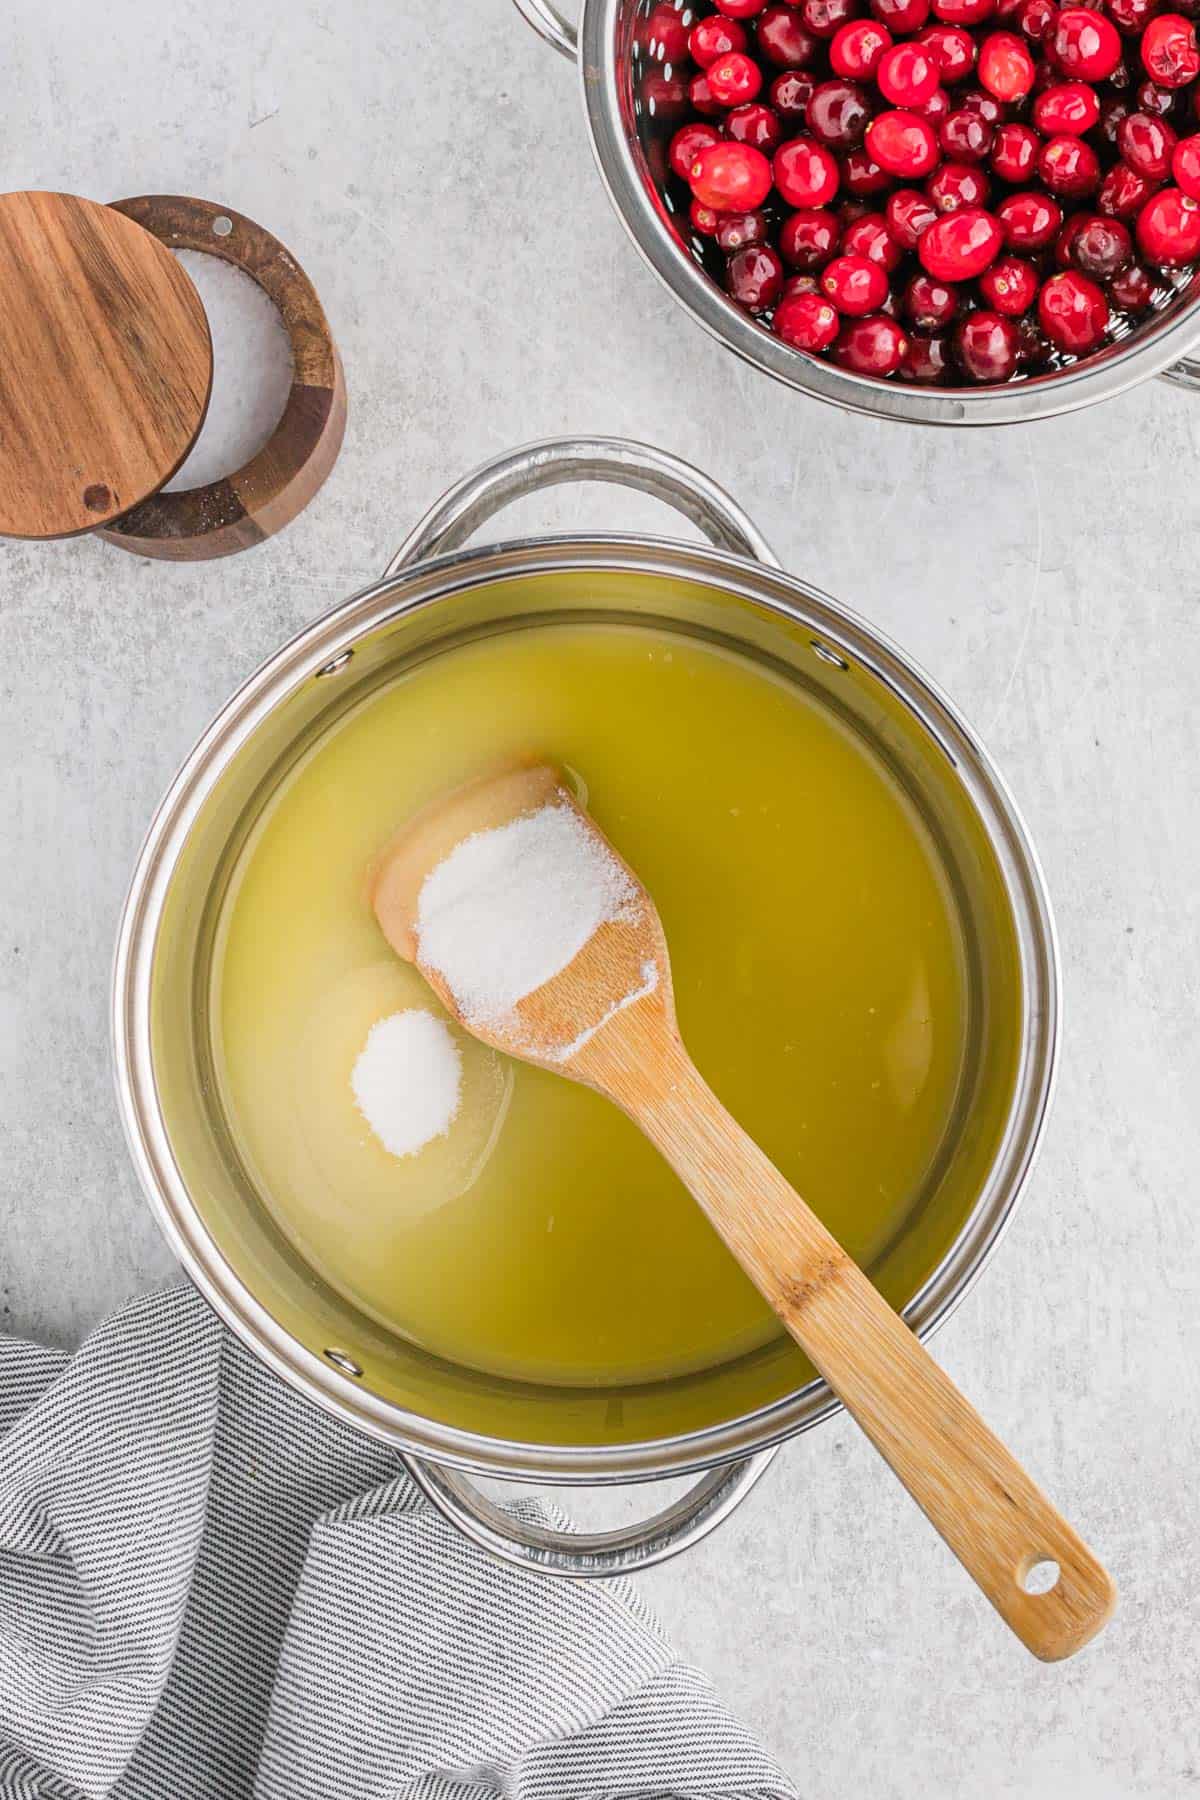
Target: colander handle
549, 23
1185, 374
550, 1551
477, 497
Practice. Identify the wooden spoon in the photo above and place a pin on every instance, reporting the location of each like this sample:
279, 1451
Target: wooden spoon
608, 1020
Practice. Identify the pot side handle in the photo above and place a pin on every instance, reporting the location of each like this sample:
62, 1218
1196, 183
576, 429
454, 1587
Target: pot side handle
453, 519
549, 23
529, 1544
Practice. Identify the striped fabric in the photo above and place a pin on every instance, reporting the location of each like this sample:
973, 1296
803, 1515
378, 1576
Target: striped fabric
210, 1589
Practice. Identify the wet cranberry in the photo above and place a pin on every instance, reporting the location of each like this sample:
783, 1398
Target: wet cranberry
1154, 99
754, 277
734, 80
863, 175
1129, 16
1029, 220
838, 112
825, 18
703, 219
1132, 289
782, 39
855, 284
736, 230
956, 185
1169, 53
714, 37
986, 346
976, 100
926, 360
1010, 286
687, 144
789, 94
1069, 167
1101, 247
1073, 312
1185, 165
960, 245
758, 126
1064, 243
1123, 192
702, 98
809, 238
1168, 229
909, 213
1005, 66
806, 321
901, 16
1015, 152
800, 284
664, 97
964, 12
739, 9
930, 304
1037, 19
805, 173
907, 75
936, 108
1121, 79
965, 136
857, 48
731, 177
870, 237
953, 51
1113, 113
1071, 108
903, 143
1146, 144
666, 35
1086, 44
872, 346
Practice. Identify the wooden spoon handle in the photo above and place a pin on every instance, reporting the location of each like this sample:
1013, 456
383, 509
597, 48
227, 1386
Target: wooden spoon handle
995, 1519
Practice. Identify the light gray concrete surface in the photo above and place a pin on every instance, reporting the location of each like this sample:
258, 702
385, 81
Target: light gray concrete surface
429, 166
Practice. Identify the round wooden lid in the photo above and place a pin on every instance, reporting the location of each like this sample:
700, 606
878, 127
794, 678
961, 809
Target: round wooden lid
105, 365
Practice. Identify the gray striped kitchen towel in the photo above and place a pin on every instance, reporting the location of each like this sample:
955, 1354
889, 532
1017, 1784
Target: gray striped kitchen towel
208, 1588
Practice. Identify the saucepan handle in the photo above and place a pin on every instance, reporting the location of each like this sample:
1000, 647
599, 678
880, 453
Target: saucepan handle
478, 496
532, 1545
549, 23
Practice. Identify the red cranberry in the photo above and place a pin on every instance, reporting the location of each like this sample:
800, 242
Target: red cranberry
986, 345
1154, 99
1029, 220
1169, 53
838, 112
1101, 247
1168, 229
857, 48
805, 173
903, 143
965, 136
855, 284
872, 346
960, 245
789, 94
666, 35
1086, 44
783, 40
800, 284
870, 237
930, 304
664, 97
755, 125
1037, 19
936, 108
824, 18
1064, 243
734, 80
714, 37
1010, 286
806, 322
1146, 144
1069, 167
703, 219
975, 100
907, 75
1073, 312
687, 144
909, 213
956, 185
1132, 289
1071, 108
739, 9
731, 177
1113, 113
1185, 165
737, 230
925, 360
1129, 16
1123, 192
1121, 78
1005, 66
808, 239
953, 51
702, 98
863, 175
754, 277
964, 12
1015, 152
901, 16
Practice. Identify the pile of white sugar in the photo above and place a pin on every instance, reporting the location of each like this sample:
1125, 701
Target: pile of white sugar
407, 1081
509, 908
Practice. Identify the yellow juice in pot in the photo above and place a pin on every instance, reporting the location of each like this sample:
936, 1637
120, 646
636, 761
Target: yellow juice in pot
819, 973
